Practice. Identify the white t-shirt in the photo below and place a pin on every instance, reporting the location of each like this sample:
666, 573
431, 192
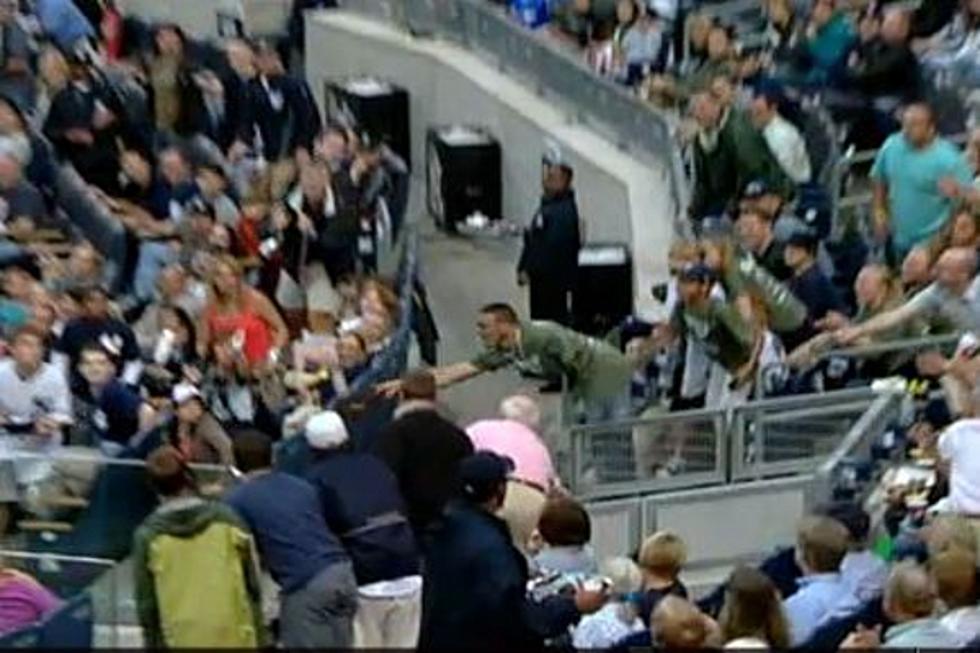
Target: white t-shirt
789, 148
960, 445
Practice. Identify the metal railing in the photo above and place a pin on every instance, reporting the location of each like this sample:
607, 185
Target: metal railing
690, 449
605, 106
791, 435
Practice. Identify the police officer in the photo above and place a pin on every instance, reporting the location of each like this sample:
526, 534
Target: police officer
549, 260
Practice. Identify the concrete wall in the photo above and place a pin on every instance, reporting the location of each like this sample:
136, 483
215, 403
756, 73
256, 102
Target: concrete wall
620, 198
199, 17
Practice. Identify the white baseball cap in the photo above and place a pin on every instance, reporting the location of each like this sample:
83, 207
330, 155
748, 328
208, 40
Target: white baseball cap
326, 430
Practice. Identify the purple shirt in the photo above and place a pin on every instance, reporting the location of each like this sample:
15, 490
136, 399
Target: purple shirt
23, 601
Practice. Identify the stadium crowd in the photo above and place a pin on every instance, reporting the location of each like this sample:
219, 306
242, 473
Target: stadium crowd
245, 298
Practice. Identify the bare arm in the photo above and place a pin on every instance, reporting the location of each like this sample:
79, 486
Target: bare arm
269, 314
877, 324
446, 375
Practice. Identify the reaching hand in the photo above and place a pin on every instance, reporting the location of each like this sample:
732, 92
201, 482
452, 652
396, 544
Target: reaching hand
389, 388
847, 335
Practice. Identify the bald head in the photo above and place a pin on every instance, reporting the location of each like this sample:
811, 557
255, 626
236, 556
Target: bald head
910, 593
523, 409
678, 624
956, 268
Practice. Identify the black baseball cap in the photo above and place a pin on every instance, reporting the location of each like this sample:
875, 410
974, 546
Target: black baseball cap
696, 272
803, 238
481, 474
757, 188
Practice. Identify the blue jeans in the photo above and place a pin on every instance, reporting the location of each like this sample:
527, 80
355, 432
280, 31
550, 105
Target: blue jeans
154, 257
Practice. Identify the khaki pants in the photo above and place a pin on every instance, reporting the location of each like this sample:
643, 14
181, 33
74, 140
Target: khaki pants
521, 510
388, 622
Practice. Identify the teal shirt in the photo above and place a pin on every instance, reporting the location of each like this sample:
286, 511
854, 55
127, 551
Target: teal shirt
593, 368
13, 315
918, 210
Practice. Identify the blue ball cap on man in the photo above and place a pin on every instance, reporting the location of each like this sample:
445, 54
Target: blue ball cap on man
483, 474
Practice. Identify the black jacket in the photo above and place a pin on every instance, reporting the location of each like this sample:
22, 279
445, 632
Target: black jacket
552, 240
423, 450
293, 125
474, 594
334, 245
886, 70
361, 504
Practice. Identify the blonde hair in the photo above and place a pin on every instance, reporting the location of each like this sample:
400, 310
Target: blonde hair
911, 590
753, 608
954, 572
625, 575
823, 542
664, 552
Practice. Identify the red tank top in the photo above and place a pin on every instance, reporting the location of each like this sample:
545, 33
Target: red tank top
258, 334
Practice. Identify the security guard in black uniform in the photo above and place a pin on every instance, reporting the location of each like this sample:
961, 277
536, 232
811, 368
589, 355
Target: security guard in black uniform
549, 260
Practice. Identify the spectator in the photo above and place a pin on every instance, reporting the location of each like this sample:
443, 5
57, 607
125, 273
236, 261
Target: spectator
909, 203
821, 545
35, 394
784, 140
82, 127
198, 436
319, 248
952, 297
954, 573
423, 449
677, 624
532, 460
176, 95
661, 558
916, 271
809, 285
318, 592
374, 531
618, 618
884, 69
280, 108
533, 473
598, 374
861, 570
85, 267
781, 28
551, 245
910, 602
957, 446
752, 616
16, 81
564, 532
96, 324
756, 235
492, 611
644, 45
243, 313
23, 601
67, 26
728, 154
821, 54
196, 578
522, 409
119, 413
176, 289
715, 324
24, 204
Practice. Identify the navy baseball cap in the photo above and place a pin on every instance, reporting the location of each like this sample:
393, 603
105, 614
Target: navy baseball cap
482, 472
803, 238
719, 226
696, 272
756, 189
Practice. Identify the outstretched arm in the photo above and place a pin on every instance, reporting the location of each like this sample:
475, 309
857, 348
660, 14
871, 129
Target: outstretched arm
446, 375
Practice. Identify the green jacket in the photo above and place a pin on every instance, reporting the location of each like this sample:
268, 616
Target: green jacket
196, 578
593, 368
718, 325
743, 274
739, 157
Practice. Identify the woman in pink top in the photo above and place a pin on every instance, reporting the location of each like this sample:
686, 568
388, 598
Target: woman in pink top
23, 601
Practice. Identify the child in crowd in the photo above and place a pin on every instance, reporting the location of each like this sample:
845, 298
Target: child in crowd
619, 617
662, 556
